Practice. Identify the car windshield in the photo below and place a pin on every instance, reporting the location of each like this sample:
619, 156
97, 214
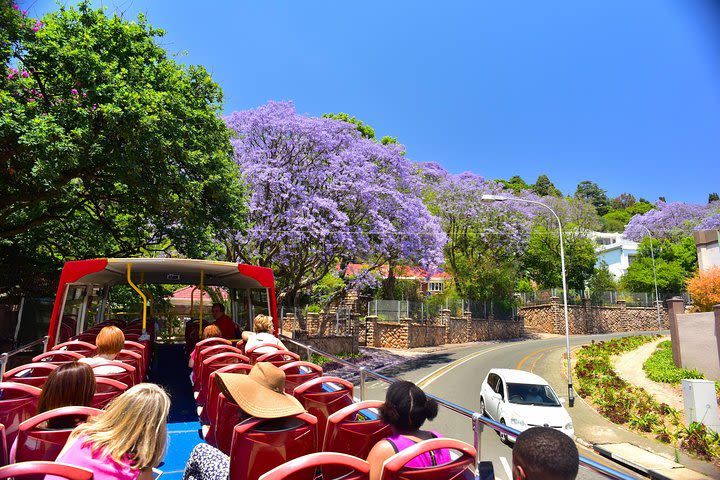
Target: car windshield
531, 394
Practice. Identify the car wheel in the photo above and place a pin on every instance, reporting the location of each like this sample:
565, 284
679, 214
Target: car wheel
482, 407
503, 435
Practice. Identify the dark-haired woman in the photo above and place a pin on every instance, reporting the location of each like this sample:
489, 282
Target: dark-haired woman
406, 409
72, 384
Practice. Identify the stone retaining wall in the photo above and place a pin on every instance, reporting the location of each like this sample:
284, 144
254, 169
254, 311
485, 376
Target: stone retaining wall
589, 319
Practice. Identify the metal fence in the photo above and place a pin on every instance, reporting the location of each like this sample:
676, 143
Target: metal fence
610, 298
397, 310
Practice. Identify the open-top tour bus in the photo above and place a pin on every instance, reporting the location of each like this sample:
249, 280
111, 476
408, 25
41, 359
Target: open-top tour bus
332, 438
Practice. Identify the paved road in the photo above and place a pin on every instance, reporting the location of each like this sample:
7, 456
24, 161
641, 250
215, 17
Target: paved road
457, 374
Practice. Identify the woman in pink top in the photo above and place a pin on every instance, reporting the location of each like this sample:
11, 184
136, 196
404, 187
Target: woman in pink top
126, 441
406, 409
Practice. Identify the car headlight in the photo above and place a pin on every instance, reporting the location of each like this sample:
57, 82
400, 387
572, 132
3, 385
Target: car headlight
517, 422
569, 426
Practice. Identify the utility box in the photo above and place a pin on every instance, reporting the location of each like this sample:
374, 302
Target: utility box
701, 403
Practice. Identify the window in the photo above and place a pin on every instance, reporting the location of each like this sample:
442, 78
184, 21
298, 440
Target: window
631, 259
436, 286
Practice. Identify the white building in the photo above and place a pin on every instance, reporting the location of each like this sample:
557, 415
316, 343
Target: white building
708, 248
615, 250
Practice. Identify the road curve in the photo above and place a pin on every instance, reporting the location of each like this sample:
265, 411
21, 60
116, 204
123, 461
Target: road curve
456, 375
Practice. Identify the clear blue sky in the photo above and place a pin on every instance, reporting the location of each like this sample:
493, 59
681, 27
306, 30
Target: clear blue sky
624, 93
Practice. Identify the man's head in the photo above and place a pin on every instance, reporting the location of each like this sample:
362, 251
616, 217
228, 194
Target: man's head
218, 310
542, 453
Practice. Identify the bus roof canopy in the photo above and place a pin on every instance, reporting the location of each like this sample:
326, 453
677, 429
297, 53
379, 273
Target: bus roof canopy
113, 271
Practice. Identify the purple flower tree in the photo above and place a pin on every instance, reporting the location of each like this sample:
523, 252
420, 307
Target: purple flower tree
671, 220
320, 195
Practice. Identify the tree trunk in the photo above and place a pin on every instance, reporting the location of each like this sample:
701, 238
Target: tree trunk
390, 282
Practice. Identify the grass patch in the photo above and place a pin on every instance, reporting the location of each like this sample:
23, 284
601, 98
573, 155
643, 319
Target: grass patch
660, 367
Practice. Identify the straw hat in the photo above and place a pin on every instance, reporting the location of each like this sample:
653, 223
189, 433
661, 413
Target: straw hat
261, 393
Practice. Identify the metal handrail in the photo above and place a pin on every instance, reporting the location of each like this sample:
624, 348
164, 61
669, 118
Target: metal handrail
5, 357
478, 421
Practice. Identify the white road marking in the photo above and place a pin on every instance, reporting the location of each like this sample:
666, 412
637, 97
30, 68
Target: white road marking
506, 466
431, 377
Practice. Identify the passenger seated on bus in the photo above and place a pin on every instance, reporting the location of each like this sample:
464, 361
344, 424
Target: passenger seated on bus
406, 409
222, 321
543, 453
211, 331
72, 384
259, 394
126, 441
534, 395
109, 342
263, 333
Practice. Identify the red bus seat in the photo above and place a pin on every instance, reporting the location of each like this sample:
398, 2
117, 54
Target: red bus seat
240, 345
33, 374
210, 342
228, 415
35, 443
40, 469
132, 337
253, 354
134, 359
138, 348
395, 469
83, 348
210, 364
106, 389
58, 357
208, 412
259, 445
85, 337
304, 468
127, 376
347, 432
324, 396
3, 447
299, 372
279, 358
18, 402
204, 354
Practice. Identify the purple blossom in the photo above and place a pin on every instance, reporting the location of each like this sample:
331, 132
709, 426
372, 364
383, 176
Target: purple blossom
710, 223
16, 7
24, 74
38, 25
319, 192
669, 220
73, 91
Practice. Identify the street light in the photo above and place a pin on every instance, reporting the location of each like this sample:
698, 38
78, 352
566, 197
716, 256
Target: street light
502, 198
657, 298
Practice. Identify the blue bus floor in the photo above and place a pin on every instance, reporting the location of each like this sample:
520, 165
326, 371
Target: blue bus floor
169, 369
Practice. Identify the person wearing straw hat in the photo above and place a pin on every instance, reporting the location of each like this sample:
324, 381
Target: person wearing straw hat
259, 394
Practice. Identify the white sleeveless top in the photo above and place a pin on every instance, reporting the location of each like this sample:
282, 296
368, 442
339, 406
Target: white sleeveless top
260, 338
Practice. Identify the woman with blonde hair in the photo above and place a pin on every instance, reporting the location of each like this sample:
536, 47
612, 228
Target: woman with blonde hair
126, 441
263, 333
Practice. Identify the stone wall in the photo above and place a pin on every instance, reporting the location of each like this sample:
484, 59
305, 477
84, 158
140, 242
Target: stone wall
421, 335
329, 344
589, 319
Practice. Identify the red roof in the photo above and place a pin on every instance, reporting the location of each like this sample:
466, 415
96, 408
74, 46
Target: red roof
185, 293
416, 273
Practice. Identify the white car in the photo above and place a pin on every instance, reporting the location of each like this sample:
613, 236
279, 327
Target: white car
522, 400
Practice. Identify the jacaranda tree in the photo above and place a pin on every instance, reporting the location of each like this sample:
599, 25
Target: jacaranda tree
673, 221
321, 195
107, 145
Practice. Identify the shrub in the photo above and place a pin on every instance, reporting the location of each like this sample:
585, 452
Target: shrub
704, 287
660, 367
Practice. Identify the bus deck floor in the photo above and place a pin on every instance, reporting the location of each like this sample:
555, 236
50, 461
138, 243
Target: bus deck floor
169, 370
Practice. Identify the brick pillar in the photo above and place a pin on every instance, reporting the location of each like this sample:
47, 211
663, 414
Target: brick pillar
588, 312
370, 322
445, 316
558, 319
467, 316
717, 328
676, 306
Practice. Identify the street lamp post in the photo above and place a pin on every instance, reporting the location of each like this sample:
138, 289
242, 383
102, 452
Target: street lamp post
657, 298
501, 198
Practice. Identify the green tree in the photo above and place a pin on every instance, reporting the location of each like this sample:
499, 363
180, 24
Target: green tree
674, 263
640, 207
516, 184
623, 201
544, 187
615, 221
365, 130
591, 192
713, 197
601, 281
107, 146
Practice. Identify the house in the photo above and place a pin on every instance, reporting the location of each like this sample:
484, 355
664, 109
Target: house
614, 250
708, 248
183, 298
431, 281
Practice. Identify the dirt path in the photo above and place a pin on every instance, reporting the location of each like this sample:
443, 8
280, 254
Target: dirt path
629, 367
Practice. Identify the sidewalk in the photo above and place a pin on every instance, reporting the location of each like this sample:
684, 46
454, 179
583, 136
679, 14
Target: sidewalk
592, 429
